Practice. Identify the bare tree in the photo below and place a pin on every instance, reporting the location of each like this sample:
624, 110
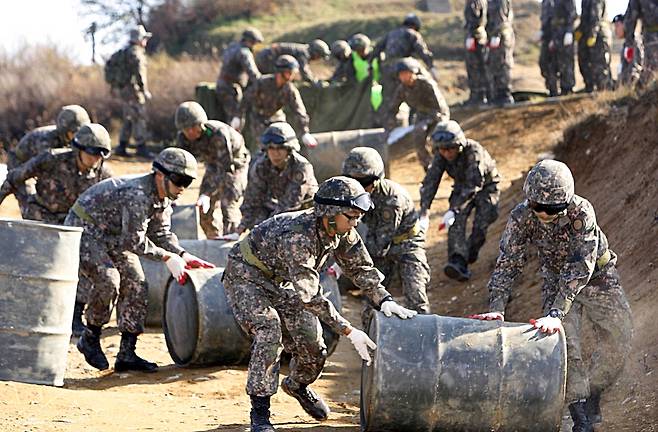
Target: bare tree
115, 18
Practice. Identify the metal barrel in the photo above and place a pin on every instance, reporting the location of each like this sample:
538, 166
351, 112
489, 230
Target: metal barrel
185, 222
327, 158
435, 373
157, 274
199, 326
38, 282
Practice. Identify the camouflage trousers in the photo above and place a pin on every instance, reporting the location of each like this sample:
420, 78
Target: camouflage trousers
134, 122
650, 66
499, 64
229, 97
485, 205
421, 133
557, 67
594, 64
476, 70
604, 303
224, 215
275, 317
389, 82
630, 72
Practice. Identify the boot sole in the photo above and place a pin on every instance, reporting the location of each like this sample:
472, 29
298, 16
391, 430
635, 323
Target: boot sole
99, 367
293, 395
453, 273
129, 369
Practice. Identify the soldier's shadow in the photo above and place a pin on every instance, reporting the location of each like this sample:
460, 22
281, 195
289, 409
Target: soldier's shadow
287, 426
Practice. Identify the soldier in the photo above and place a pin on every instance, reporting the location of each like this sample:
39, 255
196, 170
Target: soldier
501, 50
404, 41
304, 54
271, 282
68, 122
580, 277
342, 53
131, 86
266, 97
646, 11
422, 94
364, 65
475, 16
62, 175
227, 159
475, 189
237, 70
122, 218
593, 37
630, 70
280, 179
557, 51
395, 240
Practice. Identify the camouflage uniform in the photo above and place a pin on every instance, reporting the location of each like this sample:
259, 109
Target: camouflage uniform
580, 275
475, 188
475, 15
631, 72
264, 102
238, 69
430, 107
227, 159
282, 291
122, 218
594, 61
500, 60
133, 96
647, 11
266, 58
556, 60
271, 191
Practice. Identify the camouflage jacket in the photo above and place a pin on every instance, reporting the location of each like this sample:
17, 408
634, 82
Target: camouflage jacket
568, 250
594, 19
499, 18
475, 17
307, 247
473, 170
265, 99
647, 11
59, 181
222, 149
266, 58
424, 97
392, 221
136, 64
271, 191
403, 42
34, 142
344, 72
238, 65
126, 214
557, 18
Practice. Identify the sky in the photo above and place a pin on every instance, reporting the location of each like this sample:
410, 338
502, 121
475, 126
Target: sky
58, 22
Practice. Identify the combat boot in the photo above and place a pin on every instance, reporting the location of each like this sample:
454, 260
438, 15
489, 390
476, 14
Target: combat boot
593, 408
580, 421
310, 401
127, 360
260, 414
77, 327
142, 151
89, 344
457, 269
121, 150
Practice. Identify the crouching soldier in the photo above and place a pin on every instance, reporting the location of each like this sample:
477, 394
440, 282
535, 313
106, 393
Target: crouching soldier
272, 284
122, 218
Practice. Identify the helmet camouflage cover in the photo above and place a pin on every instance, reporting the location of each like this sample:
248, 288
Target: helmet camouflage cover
189, 114
340, 194
71, 118
280, 134
286, 62
176, 160
252, 34
448, 134
341, 49
92, 135
549, 182
360, 41
363, 162
319, 48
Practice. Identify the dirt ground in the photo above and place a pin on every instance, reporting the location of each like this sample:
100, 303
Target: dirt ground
614, 161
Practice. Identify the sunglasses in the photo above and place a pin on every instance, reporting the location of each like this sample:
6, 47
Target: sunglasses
353, 218
180, 180
549, 209
272, 139
97, 151
443, 136
366, 181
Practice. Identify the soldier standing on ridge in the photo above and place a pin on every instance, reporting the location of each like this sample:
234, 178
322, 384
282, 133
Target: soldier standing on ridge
580, 277
501, 50
304, 54
647, 11
475, 16
630, 71
557, 50
594, 39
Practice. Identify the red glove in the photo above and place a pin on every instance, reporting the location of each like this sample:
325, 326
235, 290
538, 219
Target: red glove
489, 316
629, 53
470, 44
194, 262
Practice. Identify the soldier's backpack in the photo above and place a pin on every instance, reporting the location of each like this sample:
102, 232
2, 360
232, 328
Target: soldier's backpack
117, 72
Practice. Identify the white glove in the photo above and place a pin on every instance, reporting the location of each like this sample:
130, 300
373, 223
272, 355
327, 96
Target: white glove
568, 39
147, 95
435, 73
204, 203
361, 343
176, 266
230, 237
470, 44
424, 223
547, 324
236, 122
494, 42
309, 140
390, 307
448, 220
489, 316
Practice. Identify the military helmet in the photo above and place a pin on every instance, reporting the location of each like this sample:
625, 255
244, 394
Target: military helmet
340, 194
139, 33
360, 41
286, 62
176, 163
341, 50
93, 138
71, 118
549, 182
280, 134
407, 64
252, 34
319, 48
412, 20
363, 162
448, 134
618, 18
189, 114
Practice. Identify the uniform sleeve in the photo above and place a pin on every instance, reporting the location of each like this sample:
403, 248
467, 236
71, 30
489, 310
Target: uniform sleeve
26, 149
511, 259
296, 105
393, 108
300, 187
476, 18
546, 19
249, 97
29, 169
134, 225
431, 183
249, 64
159, 231
421, 49
253, 207
215, 171
380, 236
443, 113
570, 14
475, 176
630, 21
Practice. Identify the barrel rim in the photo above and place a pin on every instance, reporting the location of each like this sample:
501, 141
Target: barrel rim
31, 223
165, 328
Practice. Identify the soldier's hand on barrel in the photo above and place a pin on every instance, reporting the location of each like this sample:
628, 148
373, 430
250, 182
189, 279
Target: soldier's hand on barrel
489, 316
176, 266
547, 324
192, 261
390, 307
204, 203
309, 140
361, 343
236, 123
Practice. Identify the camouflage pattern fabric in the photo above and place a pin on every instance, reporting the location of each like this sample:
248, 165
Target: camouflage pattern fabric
271, 191
631, 72
227, 159
500, 61
344, 71
263, 305
237, 70
475, 16
594, 61
570, 250
266, 58
133, 96
556, 60
647, 11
